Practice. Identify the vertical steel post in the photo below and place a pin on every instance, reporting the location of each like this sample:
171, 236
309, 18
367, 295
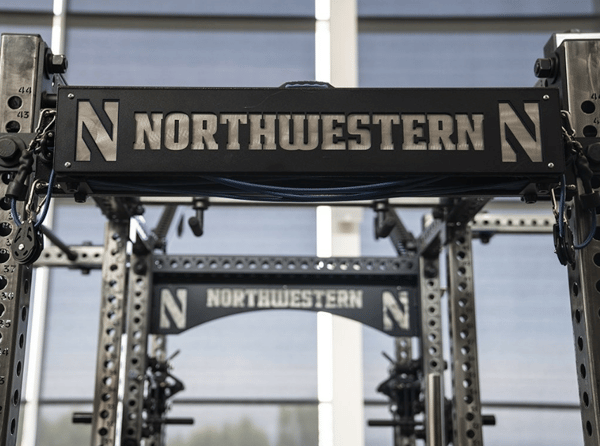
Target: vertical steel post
432, 352
158, 350
403, 358
15, 285
466, 410
135, 352
584, 286
112, 321
21, 81
580, 93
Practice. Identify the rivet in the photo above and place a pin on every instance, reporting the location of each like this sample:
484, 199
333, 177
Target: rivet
71, 96
550, 165
545, 97
67, 164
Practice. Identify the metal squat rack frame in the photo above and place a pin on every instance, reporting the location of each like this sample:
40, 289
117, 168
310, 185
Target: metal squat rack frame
30, 77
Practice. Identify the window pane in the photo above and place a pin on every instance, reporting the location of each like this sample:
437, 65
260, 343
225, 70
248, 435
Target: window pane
55, 426
473, 7
267, 354
186, 58
449, 60
251, 425
248, 230
29, 5
533, 427
223, 7
247, 425
71, 335
524, 321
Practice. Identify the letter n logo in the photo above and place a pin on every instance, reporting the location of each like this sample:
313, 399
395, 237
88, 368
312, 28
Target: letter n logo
97, 131
520, 133
173, 312
395, 310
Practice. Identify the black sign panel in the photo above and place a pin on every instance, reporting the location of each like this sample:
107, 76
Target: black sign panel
390, 309
161, 132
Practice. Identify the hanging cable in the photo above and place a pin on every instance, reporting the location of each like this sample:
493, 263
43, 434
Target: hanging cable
592, 232
561, 217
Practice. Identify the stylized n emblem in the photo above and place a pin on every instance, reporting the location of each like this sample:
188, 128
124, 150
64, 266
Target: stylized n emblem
516, 132
392, 311
102, 134
171, 310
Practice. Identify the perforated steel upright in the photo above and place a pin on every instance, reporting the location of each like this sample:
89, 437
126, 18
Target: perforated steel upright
431, 341
112, 322
135, 352
21, 79
578, 58
157, 349
466, 407
403, 358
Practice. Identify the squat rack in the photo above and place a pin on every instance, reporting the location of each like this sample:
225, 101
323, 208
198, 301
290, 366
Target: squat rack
467, 147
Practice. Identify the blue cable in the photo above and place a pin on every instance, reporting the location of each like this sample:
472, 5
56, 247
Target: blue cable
561, 207
590, 236
14, 213
561, 222
329, 190
250, 191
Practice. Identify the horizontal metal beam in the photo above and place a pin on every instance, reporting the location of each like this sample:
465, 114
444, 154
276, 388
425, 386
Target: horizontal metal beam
88, 257
308, 401
192, 290
366, 24
514, 223
409, 202
463, 210
384, 267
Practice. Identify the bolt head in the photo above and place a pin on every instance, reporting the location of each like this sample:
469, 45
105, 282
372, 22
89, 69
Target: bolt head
9, 149
544, 68
550, 165
57, 64
71, 96
67, 164
593, 153
140, 268
21, 247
